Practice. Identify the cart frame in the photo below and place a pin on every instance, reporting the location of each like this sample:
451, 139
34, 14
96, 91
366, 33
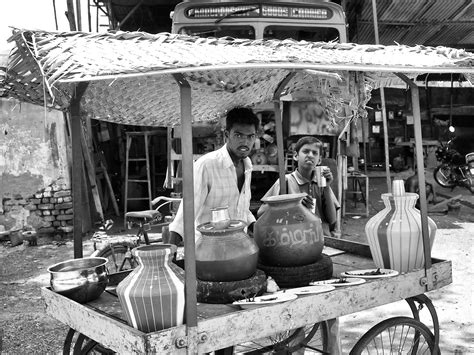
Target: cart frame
205, 335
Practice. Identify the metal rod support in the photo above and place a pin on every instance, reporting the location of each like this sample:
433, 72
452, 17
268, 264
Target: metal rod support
77, 166
279, 130
415, 98
384, 109
188, 212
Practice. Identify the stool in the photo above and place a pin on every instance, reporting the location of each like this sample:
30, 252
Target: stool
356, 181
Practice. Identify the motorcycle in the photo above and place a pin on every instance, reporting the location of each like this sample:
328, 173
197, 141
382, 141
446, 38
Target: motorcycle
454, 169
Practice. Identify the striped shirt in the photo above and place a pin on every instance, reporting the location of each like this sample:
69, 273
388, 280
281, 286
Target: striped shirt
215, 185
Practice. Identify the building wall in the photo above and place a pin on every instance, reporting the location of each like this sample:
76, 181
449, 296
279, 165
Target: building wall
35, 183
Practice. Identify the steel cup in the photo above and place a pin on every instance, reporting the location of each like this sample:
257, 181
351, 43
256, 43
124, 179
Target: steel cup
220, 217
318, 173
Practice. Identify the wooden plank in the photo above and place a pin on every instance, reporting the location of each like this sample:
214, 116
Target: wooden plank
241, 326
103, 329
90, 171
348, 246
109, 186
347, 262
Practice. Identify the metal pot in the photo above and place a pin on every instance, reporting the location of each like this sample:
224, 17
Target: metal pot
81, 280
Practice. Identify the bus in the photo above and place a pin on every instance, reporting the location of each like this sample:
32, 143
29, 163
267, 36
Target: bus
309, 20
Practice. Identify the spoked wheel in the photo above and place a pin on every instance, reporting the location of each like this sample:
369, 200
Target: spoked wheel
295, 341
398, 335
120, 258
424, 311
78, 344
442, 175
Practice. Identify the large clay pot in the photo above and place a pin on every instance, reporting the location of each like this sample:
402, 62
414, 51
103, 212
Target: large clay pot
152, 296
226, 254
288, 233
394, 234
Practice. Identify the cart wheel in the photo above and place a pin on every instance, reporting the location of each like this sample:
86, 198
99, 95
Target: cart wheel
78, 344
398, 335
295, 341
92, 347
119, 256
424, 311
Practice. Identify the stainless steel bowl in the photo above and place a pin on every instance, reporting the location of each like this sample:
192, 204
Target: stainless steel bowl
81, 280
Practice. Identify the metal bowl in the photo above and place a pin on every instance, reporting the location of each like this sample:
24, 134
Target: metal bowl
81, 280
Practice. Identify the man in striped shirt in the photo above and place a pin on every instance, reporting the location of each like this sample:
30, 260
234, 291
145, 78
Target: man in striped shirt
222, 177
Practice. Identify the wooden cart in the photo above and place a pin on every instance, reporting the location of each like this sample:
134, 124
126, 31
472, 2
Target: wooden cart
164, 80
221, 326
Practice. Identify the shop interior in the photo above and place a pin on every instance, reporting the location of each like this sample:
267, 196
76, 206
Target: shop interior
441, 107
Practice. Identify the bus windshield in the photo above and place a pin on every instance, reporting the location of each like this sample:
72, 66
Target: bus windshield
219, 31
313, 34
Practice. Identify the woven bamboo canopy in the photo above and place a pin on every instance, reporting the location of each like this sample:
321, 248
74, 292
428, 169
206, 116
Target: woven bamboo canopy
131, 82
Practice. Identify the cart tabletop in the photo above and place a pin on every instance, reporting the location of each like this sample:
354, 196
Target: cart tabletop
224, 325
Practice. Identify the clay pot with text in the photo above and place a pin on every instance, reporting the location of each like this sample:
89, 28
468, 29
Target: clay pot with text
288, 234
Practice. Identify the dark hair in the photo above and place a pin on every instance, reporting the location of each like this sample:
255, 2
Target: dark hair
241, 115
307, 140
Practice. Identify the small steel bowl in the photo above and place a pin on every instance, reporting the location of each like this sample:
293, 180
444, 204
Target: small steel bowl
81, 280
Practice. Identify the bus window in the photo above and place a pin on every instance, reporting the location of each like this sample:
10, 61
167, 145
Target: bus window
219, 31
313, 34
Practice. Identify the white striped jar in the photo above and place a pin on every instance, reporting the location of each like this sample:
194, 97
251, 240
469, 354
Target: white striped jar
394, 234
152, 296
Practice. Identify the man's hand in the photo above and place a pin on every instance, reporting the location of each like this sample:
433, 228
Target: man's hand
327, 173
308, 202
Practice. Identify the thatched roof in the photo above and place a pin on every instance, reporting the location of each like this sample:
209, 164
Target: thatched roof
131, 82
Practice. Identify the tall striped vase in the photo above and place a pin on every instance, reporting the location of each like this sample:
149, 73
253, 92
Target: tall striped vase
152, 296
394, 234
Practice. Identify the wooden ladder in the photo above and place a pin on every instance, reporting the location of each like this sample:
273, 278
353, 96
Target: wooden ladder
131, 136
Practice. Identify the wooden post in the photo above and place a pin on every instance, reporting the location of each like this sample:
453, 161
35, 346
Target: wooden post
188, 212
279, 131
384, 111
70, 15
91, 175
77, 164
415, 97
79, 15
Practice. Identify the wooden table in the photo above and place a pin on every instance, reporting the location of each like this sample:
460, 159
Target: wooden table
221, 326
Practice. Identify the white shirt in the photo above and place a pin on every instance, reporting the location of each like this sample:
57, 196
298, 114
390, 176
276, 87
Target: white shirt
215, 185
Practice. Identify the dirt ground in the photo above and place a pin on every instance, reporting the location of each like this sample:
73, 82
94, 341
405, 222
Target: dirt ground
25, 328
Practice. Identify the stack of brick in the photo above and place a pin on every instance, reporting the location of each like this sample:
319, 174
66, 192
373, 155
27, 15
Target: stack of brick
48, 212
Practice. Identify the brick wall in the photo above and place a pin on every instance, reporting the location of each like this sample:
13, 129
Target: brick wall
47, 212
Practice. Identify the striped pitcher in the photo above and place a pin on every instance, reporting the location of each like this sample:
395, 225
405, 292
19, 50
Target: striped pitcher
152, 296
394, 234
